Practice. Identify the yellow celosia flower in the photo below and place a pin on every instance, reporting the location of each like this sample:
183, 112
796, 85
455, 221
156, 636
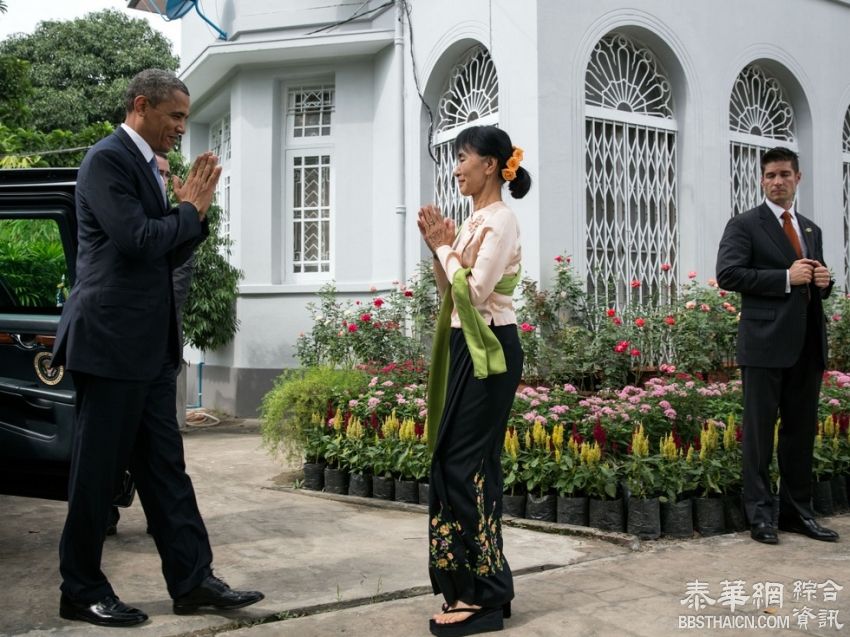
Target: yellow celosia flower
730, 438
512, 443
708, 440
590, 454
558, 436
354, 430
316, 419
528, 439
668, 448
337, 420
573, 446
690, 457
391, 425
407, 431
640, 443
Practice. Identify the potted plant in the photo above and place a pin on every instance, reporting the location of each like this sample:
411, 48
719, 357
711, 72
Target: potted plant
355, 452
710, 519
602, 482
538, 471
676, 481
383, 457
731, 478
571, 507
640, 472
823, 467
406, 489
513, 495
336, 472
315, 441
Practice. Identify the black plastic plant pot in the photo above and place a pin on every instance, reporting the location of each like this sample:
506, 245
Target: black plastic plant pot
644, 518
571, 510
314, 475
677, 519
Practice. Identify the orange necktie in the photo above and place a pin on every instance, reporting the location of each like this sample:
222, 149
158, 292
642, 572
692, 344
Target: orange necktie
788, 227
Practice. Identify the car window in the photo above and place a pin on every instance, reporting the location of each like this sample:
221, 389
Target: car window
33, 271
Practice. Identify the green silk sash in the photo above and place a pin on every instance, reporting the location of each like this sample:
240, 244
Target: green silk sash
484, 348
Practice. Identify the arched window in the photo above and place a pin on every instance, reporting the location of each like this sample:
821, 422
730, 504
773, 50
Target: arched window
845, 147
471, 97
630, 158
760, 117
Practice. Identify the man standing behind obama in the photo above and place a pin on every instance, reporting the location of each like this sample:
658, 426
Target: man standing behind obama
118, 338
773, 256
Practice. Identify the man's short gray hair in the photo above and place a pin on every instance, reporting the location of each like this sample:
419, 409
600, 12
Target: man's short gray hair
155, 84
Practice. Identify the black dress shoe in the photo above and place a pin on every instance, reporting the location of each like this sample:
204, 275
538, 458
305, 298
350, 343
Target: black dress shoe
109, 611
764, 533
808, 526
214, 592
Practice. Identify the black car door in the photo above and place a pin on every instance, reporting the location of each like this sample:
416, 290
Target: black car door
37, 256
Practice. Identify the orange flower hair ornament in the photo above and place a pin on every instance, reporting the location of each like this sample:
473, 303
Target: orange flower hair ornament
509, 172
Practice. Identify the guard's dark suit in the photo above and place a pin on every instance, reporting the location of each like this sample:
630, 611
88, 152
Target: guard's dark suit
782, 351
118, 337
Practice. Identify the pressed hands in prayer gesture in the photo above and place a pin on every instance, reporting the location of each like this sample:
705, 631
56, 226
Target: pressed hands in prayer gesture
435, 229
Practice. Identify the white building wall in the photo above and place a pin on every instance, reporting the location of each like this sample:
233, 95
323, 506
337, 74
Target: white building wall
541, 50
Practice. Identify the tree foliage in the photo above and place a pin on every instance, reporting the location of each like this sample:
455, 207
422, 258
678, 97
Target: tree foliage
209, 316
27, 148
79, 68
16, 90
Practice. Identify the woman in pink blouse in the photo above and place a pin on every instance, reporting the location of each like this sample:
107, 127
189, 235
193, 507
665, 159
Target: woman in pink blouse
475, 370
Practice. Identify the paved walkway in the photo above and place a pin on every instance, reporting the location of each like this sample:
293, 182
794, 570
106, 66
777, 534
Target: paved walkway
332, 567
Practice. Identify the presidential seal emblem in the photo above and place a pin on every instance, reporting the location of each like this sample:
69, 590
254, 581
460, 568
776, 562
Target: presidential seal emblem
46, 373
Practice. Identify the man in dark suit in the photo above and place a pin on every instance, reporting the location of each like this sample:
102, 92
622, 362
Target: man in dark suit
773, 256
118, 338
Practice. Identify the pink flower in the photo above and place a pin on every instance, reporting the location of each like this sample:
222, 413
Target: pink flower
357, 303
670, 413
665, 267
373, 289
635, 352
692, 274
834, 402
731, 309
669, 319
408, 293
690, 305
836, 317
610, 311
712, 283
352, 328
569, 259
559, 258
366, 317
378, 302
635, 283
526, 327
639, 322
704, 308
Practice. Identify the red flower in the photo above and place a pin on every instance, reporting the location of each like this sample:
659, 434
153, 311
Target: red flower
836, 317
366, 317
617, 320
352, 328
559, 258
635, 352
526, 327
665, 267
669, 319
635, 283
639, 322
569, 259
378, 302
610, 311
576, 436
408, 293
599, 434
722, 293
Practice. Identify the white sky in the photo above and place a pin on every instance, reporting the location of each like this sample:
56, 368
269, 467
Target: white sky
22, 16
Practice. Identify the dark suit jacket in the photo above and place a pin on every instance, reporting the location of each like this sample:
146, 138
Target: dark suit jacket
753, 259
119, 320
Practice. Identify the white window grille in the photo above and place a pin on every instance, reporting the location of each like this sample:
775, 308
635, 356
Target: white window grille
760, 118
845, 147
632, 209
309, 160
470, 98
219, 144
311, 213
310, 108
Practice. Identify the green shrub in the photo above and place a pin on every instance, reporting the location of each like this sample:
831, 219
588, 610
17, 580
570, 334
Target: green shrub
297, 395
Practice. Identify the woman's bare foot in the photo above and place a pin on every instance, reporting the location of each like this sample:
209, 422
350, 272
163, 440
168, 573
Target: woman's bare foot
456, 613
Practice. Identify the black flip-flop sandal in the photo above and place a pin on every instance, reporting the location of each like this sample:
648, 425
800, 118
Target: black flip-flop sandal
481, 620
506, 609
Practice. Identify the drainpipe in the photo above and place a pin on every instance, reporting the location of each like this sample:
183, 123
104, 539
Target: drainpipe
200, 387
400, 209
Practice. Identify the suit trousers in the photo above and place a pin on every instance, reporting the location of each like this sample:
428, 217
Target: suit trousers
793, 393
131, 424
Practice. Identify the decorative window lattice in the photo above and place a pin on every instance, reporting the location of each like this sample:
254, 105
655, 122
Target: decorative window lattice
224, 202
632, 218
761, 117
623, 77
471, 95
631, 202
845, 145
311, 109
220, 138
311, 213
